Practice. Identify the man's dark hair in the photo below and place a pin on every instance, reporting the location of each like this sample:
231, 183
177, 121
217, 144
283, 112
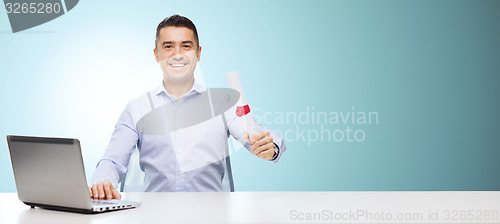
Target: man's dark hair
177, 21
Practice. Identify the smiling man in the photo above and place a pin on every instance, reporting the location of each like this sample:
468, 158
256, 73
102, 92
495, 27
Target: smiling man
177, 51
180, 138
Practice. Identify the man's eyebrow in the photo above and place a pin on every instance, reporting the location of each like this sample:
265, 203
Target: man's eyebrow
171, 42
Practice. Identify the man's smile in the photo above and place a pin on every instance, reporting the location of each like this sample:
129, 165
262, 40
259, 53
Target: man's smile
177, 65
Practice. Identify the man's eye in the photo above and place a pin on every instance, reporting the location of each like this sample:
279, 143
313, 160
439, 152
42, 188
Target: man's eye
168, 46
187, 46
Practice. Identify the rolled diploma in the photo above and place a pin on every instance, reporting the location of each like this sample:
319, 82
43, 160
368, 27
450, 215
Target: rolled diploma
242, 108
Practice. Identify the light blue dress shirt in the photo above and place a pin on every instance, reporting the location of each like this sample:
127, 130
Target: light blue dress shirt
174, 159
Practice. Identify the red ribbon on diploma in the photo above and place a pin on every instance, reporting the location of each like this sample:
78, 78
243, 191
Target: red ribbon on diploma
242, 110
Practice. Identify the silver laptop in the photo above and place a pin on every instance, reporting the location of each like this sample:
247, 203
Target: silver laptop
49, 173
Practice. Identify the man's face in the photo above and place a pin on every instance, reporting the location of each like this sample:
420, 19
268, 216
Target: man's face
177, 53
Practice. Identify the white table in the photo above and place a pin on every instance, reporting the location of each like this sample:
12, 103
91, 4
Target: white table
278, 207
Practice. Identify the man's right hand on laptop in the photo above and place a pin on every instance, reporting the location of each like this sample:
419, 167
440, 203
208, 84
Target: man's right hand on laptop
104, 190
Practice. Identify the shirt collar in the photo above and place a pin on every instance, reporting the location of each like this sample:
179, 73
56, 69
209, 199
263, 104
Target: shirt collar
197, 88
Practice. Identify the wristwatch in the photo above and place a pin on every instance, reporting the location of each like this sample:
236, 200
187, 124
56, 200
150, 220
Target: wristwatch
276, 151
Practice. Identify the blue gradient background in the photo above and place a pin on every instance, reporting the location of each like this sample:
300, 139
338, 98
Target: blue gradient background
430, 69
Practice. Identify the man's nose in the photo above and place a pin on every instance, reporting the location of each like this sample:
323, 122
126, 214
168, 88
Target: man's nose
178, 54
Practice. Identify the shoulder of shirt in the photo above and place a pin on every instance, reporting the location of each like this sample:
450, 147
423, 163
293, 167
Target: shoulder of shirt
143, 100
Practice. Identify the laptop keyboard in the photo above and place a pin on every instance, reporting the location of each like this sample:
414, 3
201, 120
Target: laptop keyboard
101, 202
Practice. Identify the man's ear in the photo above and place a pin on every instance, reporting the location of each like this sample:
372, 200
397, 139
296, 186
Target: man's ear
198, 53
156, 56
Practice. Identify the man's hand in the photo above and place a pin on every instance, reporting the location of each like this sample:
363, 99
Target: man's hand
104, 190
261, 145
